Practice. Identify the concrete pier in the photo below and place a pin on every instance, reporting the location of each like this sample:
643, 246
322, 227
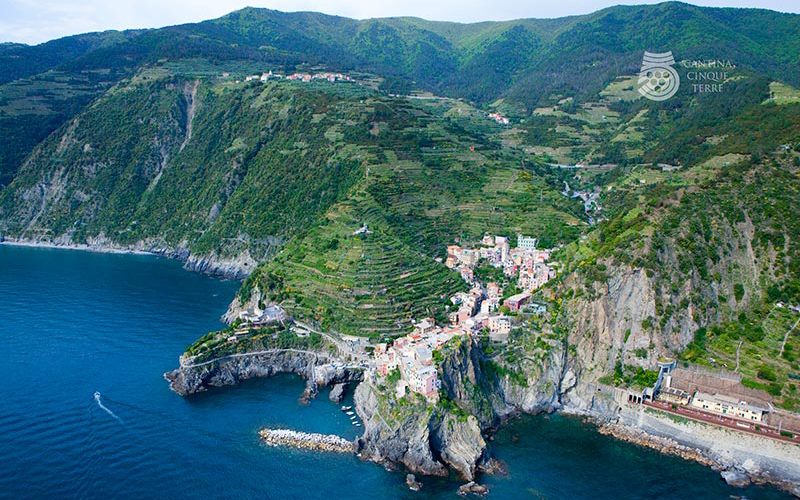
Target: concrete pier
310, 441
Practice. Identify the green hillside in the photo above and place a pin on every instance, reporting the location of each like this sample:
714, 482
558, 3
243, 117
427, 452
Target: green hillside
255, 161
154, 140
720, 247
20, 61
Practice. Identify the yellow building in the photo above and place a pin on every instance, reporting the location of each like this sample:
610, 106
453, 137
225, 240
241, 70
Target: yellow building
728, 406
673, 395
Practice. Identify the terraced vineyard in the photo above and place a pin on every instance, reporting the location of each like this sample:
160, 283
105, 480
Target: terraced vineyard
369, 284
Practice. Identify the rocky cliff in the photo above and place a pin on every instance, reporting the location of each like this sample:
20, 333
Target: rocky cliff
399, 437
689, 258
313, 366
477, 395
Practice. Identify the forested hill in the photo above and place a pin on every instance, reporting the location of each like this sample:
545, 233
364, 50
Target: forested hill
524, 58
518, 65
19, 60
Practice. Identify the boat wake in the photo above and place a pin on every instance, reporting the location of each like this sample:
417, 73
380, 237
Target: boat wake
101, 405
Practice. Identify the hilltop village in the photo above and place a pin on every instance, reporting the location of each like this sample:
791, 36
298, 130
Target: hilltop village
408, 362
331, 77
303, 77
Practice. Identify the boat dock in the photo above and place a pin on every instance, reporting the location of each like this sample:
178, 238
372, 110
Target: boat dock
307, 440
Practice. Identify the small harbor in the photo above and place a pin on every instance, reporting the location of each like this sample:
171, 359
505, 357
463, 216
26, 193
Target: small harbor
353, 417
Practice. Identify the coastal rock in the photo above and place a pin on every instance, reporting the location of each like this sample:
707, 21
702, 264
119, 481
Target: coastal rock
493, 466
539, 387
472, 488
735, 478
237, 266
412, 483
337, 392
433, 441
459, 443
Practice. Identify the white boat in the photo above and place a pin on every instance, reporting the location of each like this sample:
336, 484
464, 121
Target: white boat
345, 408
350, 413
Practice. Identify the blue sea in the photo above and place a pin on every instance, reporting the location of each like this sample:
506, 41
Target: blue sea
75, 323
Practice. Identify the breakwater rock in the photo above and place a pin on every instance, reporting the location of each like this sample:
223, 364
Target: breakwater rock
307, 440
658, 443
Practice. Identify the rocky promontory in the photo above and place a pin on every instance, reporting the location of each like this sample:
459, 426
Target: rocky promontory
448, 436
479, 391
313, 366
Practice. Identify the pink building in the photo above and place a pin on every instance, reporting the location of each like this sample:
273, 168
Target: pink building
516, 301
424, 381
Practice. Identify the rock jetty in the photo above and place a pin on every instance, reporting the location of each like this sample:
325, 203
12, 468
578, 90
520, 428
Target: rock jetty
307, 440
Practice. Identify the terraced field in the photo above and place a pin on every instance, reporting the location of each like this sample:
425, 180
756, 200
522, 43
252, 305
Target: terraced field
369, 284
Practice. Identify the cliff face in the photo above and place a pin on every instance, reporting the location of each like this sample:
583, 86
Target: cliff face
230, 370
169, 165
459, 443
610, 324
686, 280
430, 440
404, 439
237, 306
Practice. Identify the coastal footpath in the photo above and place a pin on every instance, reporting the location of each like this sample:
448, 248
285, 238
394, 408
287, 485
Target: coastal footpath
317, 368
